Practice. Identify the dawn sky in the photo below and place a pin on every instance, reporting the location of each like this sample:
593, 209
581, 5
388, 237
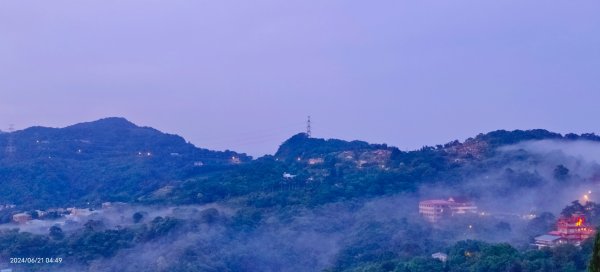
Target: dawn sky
243, 75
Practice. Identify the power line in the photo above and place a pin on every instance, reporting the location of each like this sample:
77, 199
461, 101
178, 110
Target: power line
308, 128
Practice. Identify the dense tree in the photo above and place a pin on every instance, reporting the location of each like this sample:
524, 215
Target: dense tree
595, 259
137, 217
561, 172
575, 207
56, 233
421, 264
103, 162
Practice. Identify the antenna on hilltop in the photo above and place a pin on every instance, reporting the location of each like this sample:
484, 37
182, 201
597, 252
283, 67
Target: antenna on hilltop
10, 146
308, 131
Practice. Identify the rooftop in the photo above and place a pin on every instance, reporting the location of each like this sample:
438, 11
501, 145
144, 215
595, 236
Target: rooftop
547, 238
435, 202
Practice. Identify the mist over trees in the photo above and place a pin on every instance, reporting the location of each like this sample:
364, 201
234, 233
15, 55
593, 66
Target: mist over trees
314, 205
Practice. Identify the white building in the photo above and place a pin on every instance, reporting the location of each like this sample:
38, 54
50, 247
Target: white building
548, 240
435, 209
288, 176
443, 257
462, 206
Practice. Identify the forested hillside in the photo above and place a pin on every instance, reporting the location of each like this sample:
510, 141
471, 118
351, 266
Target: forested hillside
107, 160
316, 204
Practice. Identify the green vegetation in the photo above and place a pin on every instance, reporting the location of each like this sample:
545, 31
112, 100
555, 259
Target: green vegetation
114, 160
107, 160
472, 255
90, 243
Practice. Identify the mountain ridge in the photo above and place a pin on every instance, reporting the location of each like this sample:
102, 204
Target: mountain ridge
112, 159
107, 159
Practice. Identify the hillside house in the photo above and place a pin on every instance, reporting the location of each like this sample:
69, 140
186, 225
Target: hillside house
435, 209
21, 218
442, 257
548, 240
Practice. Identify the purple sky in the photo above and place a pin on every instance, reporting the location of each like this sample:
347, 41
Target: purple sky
244, 75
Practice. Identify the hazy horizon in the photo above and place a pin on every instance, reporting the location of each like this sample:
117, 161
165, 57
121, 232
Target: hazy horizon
245, 75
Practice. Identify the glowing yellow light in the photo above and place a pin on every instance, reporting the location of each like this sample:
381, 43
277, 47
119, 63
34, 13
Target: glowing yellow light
579, 222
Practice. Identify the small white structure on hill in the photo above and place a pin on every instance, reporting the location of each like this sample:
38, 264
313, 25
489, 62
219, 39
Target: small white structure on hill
288, 175
313, 161
443, 257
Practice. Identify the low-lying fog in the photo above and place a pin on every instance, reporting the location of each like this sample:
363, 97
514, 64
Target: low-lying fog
509, 195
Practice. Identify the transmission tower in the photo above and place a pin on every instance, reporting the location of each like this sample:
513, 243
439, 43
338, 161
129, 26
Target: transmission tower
308, 131
10, 146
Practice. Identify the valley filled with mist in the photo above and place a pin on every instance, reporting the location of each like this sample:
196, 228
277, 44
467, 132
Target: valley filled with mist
110, 195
